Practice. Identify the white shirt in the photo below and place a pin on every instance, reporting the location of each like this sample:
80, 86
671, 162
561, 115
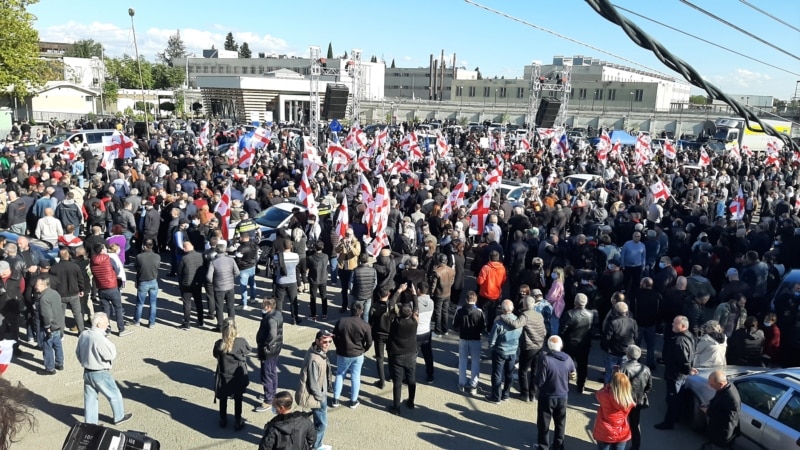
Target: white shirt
425, 305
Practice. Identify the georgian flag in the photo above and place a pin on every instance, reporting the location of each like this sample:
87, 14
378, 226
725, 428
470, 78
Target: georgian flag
705, 160
432, 167
381, 240
605, 142
660, 190
382, 137
231, 154
441, 146
224, 211
400, 166
495, 177
616, 150
479, 212
261, 138
203, 138
499, 143
247, 157
746, 150
6, 353
622, 167
525, 144
311, 160
735, 153
669, 150
382, 206
773, 160
342, 221
563, 146
380, 163
456, 197
363, 162
306, 195
737, 206
119, 145
641, 157
643, 144
774, 146
356, 139
68, 151
546, 133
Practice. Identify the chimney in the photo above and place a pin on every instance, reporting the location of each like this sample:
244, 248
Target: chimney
454, 66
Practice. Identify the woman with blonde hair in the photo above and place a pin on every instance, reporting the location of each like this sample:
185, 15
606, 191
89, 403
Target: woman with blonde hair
231, 378
611, 429
555, 296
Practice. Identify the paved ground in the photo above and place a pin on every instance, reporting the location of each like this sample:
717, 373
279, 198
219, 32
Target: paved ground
166, 376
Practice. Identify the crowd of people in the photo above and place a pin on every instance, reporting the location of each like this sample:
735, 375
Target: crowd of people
554, 269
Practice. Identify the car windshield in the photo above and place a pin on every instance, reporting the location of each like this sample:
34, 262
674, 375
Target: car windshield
272, 217
58, 138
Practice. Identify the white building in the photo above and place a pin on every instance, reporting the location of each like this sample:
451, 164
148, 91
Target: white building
86, 72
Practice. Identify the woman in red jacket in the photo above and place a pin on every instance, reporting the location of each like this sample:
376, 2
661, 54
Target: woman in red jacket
611, 430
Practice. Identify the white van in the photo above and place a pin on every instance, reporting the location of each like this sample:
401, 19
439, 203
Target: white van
76, 139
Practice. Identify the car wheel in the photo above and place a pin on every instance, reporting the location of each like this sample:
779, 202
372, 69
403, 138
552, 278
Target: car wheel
697, 418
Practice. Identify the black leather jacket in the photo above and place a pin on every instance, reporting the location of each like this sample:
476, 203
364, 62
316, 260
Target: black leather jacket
640, 377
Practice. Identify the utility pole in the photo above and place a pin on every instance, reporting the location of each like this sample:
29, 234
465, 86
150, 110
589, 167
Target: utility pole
131, 13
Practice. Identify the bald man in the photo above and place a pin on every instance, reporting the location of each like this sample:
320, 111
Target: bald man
48, 228
722, 411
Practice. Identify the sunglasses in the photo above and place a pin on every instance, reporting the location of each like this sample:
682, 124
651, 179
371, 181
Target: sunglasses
327, 341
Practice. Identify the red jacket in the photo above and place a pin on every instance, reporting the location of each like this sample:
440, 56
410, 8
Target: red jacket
491, 279
611, 425
103, 272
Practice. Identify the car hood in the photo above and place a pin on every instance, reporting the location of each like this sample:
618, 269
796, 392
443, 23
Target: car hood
698, 384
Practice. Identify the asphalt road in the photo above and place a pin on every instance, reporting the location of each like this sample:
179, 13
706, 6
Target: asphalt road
166, 378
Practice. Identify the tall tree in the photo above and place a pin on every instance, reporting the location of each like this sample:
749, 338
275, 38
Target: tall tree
125, 72
166, 77
330, 50
175, 49
20, 66
392, 66
231, 44
85, 48
373, 59
244, 51
344, 56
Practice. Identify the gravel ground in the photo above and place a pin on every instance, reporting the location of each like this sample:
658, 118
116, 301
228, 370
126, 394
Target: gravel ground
166, 378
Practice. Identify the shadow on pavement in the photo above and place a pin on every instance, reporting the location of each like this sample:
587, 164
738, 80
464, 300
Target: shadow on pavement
68, 415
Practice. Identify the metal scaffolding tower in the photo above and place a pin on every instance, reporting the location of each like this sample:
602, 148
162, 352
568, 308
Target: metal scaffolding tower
355, 71
557, 83
313, 96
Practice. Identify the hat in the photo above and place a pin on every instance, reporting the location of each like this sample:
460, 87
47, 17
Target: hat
732, 272
4, 266
183, 221
638, 227
538, 261
323, 333
537, 293
44, 263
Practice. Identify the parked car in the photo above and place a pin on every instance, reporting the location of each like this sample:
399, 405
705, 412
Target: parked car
585, 181
513, 191
787, 283
42, 248
279, 216
770, 414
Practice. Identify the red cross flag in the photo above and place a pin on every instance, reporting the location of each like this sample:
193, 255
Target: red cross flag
247, 157
705, 160
546, 133
342, 221
660, 190
479, 212
525, 144
441, 146
120, 145
400, 166
203, 138
746, 150
68, 151
456, 198
306, 195
669, 150
735, 153
261, 137
616, 150
6, 352
773, 160
737, 206
223, 208
773, 146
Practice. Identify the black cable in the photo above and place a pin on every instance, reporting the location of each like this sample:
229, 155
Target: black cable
642, 39
777, 19
707, 41
741, 30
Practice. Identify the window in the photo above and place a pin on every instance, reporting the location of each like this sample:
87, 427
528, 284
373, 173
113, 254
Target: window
213, 69
94, 138
759, 394
261, 69
790, 415
582, 94
487, 91
520, 92
235, 69
406, 74
228, 69
638, 95
612, 95
253, 70
502, 92
459, 91
598, 94
472, 91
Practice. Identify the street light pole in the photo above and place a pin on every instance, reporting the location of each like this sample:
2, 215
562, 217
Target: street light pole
131, 13
630, 109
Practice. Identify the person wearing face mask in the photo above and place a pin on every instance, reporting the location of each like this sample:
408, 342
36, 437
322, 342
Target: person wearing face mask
772, 339
288, 429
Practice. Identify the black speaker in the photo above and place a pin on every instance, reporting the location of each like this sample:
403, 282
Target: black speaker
547, 113
84, 436
335, 106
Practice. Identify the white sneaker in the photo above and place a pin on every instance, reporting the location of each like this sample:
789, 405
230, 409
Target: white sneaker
246, 308
325, 447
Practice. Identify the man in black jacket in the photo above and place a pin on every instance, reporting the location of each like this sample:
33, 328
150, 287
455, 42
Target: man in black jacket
317, 262
191, 284
246, 259
619, 332
722, 411
352, 337
678, 364
646, 306
470, 323
70, 285
577, 327
269, 340
365, 280
147, 264
288, 429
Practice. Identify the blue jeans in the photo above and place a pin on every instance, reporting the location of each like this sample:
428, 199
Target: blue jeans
102, 382
648, 334
334, 269
53, 351
609, 361
466, 350
247, 284
320, 422
367, 305
614, 446
346, 364
555, 322
143, 291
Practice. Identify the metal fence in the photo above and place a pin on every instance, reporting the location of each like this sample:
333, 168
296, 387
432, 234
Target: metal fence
45, 116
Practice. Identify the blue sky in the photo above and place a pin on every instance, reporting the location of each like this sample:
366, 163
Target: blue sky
409, 31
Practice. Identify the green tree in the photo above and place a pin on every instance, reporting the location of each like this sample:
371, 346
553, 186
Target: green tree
21, 69
698, 99
166, 77
125, 72
244, 51
231, 44
330, 50
392, 66
85, 48
53, 70
197, 106
167, 106
110, 92
175, 49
